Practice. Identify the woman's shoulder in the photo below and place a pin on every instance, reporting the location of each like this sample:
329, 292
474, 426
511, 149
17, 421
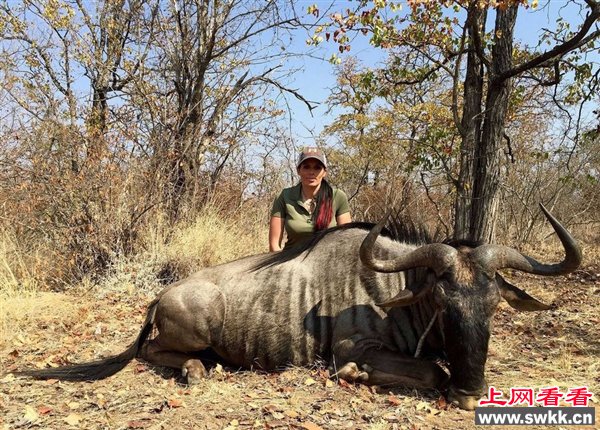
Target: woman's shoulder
290, 192
338, 192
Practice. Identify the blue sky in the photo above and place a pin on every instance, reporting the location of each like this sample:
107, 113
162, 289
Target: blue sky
317, 76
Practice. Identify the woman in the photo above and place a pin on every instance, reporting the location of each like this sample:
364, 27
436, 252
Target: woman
308, 207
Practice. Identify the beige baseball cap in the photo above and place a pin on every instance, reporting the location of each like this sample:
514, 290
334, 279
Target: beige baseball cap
312, 152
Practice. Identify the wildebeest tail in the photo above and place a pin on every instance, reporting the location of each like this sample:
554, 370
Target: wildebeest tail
99, 369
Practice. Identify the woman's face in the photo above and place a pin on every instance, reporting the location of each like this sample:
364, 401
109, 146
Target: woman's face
311, 172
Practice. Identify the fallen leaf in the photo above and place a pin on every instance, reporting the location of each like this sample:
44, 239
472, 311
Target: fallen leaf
309, 381
329, 383
292, 414
175, 403
31, 416
310, 426
391, 418
393, 400
140, 368
423, 406
44, 410
8, 378
73, 405
72, 419
136, 424
343, 383
271, 408
442, 403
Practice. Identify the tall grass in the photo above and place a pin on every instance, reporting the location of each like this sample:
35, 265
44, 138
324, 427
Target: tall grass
16, 273
167, 253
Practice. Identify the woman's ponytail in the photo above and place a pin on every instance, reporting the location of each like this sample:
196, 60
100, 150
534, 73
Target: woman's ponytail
324, 207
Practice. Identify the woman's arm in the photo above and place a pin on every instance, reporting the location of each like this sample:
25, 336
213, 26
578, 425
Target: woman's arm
275, 233
343, 218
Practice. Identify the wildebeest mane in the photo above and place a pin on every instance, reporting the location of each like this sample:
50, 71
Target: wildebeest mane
292, 252
398, 228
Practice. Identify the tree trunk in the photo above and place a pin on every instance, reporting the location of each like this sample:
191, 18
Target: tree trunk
487, 161
470, 125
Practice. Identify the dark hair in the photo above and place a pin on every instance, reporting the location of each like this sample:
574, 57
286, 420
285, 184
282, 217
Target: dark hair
324, 206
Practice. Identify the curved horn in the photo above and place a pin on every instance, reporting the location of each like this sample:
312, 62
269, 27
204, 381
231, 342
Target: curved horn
496, 257
436, 256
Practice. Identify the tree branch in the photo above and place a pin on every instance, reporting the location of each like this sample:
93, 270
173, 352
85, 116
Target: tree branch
558, 51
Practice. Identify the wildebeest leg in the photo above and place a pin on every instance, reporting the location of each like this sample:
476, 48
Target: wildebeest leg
369, 362
191, 368
187, 318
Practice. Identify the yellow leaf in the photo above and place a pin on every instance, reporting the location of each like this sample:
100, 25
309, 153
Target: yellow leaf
309, 381
423, 406
73, 419
31, 415
310, 426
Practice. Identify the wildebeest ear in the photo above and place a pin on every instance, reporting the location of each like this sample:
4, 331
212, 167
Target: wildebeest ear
518, 298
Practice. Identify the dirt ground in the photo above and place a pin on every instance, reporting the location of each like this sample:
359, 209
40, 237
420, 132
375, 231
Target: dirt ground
558, 347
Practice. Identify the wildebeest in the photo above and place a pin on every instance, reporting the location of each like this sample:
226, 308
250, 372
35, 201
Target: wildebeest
380, 311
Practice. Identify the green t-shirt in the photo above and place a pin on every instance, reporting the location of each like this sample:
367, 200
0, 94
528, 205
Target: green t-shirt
298, 222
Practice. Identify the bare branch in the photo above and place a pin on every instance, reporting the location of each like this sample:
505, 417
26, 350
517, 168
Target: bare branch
578, 40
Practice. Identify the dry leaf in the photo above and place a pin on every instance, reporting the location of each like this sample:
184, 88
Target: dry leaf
31, 415
329, 383
136, 424
309, 381
423, 406
394, 400
8, 378
140, 368
310, 426
442, 403
271, 408
343, 383
175, 403
391, 418
44, 410
292, 414
73, 419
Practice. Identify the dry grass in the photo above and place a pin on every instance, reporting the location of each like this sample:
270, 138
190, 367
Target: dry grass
15, 273
212, 239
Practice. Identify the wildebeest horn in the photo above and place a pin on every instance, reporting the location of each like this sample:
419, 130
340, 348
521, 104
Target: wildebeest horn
435, 256
496, 257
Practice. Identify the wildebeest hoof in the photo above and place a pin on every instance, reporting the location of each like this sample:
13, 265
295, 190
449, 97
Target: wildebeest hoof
350, 372
194, 371
463, 401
